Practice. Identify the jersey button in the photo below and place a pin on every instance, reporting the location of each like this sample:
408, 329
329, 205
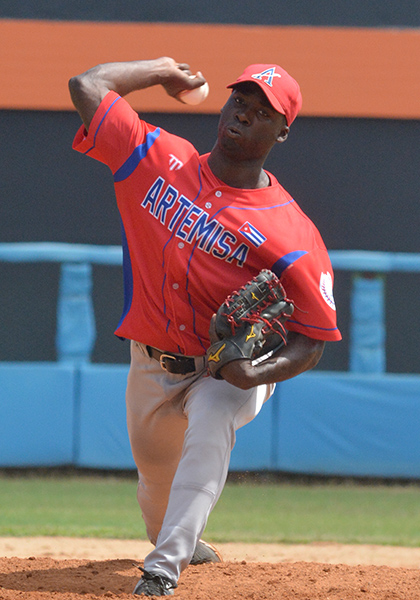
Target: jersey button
175, 286
181, 245
218, 193
182, 327
208, 205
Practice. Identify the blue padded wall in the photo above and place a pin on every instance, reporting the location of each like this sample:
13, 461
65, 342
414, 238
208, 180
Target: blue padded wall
347, 424
36, 414
318, 423
102, 432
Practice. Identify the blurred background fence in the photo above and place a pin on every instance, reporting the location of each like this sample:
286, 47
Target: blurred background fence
350, 162
362, 421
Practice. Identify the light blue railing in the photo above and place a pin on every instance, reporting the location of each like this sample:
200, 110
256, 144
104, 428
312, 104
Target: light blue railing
76, 330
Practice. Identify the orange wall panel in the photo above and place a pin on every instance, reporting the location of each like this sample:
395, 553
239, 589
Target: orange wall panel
343, 72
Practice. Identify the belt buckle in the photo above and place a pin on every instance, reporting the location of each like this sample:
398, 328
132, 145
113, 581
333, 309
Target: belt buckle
162, 359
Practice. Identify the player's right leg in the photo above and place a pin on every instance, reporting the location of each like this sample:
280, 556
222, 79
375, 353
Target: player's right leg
156, 425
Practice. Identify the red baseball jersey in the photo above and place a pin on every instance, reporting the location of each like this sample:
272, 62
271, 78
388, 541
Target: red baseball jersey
189, 239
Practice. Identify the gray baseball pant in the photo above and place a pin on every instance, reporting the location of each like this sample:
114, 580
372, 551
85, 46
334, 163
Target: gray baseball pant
181, 430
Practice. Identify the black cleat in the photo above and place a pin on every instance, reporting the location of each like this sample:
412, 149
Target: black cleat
152, 584
205, 553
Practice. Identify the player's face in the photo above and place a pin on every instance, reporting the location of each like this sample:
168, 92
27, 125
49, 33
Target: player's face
249, 126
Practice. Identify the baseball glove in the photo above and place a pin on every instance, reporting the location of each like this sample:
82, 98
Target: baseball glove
250, 322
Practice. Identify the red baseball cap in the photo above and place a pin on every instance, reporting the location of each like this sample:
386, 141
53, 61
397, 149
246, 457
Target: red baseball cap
282, 91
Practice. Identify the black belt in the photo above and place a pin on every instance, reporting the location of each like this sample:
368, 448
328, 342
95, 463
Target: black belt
173, 363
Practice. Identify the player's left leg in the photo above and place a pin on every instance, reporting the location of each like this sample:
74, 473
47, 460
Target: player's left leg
215, 410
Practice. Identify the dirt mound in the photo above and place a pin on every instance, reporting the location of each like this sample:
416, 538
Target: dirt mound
41, 578
87, 569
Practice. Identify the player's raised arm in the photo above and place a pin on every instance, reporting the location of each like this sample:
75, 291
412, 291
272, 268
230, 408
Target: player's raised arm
88, 89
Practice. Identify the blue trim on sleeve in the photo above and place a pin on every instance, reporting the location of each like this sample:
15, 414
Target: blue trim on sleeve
312, 326
100, 123
285, 261
136, 156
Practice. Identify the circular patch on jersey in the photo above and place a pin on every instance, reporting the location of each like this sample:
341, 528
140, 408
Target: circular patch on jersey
326, 289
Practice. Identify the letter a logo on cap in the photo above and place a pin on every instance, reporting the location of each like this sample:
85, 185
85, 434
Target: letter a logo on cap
269, 74
281, 89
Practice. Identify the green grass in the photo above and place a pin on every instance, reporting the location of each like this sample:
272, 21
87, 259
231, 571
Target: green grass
293, 513
91, 506
70, 506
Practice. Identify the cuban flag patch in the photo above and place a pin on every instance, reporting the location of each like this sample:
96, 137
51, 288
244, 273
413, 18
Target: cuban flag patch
252, 234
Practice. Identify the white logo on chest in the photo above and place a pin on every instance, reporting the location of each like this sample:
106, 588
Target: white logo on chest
174, 163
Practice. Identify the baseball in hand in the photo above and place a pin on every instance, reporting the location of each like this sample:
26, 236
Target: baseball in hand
196, 96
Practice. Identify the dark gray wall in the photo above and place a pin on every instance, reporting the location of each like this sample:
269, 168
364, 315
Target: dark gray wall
359, 13
356, 178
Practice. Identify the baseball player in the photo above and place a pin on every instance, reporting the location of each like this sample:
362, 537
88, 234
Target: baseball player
194, 228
